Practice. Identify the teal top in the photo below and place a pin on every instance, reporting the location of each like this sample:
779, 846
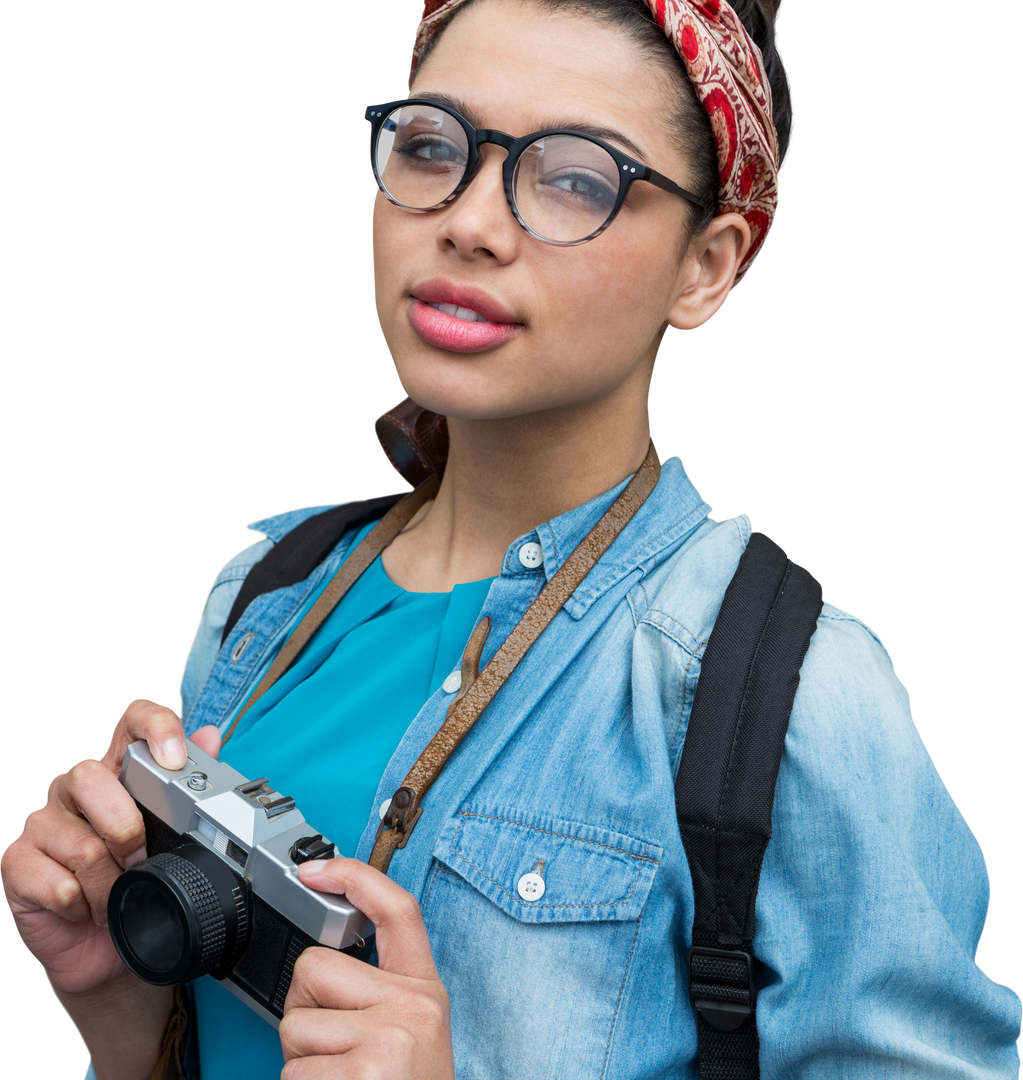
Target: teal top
324, 734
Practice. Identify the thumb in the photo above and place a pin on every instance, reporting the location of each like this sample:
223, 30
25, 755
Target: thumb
208, 739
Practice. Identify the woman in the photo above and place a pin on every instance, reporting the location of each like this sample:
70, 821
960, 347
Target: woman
532, 327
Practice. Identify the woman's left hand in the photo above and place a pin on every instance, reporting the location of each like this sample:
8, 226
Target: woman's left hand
344, 1018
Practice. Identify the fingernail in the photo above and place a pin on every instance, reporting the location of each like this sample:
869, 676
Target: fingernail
173, 754
311, 868
135, 857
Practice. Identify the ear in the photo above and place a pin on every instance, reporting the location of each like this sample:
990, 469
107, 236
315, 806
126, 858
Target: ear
708, 270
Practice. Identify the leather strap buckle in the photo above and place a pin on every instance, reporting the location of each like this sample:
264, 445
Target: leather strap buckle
402, 815
721, 987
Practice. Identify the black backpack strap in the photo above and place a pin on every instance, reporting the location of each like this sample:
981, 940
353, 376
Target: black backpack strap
297, 554
724, 790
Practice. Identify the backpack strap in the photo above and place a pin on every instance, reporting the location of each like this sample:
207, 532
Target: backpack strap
297, 554
724, 790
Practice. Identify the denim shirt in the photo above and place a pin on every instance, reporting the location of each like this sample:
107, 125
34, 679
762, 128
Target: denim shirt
873, 891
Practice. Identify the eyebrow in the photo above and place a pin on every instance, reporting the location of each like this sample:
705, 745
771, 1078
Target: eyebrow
596, 130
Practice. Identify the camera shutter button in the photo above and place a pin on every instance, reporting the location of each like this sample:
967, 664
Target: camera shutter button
311, 847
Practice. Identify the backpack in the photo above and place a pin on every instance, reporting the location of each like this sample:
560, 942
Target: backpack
731, 754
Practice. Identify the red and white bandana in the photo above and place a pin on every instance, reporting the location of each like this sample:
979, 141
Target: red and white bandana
727, 71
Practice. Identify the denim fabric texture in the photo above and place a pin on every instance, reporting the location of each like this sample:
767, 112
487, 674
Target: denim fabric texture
873, 892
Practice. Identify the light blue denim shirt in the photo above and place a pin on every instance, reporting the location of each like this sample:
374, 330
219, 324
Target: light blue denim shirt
873, 892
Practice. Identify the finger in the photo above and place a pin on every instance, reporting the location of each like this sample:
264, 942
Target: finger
319, 1068
94, 829
326, 979
161, 729
308, 1032
89, 791
86, 871
362, 1063
34, 881
329, 1068
402, 943
321, 1032
208, 739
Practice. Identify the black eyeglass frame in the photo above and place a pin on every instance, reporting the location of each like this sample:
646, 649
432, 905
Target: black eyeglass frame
630, 169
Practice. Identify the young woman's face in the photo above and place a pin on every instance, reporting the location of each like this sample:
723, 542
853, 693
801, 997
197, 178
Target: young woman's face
586, 319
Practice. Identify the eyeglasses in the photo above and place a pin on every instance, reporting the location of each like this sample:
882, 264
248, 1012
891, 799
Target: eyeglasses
564, 187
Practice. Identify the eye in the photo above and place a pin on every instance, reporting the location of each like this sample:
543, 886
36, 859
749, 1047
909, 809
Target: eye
570, 176
430, 150
584, 187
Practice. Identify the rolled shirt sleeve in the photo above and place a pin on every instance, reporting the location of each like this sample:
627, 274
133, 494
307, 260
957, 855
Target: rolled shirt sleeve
873, 893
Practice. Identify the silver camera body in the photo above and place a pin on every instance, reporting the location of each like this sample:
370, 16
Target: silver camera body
219, 892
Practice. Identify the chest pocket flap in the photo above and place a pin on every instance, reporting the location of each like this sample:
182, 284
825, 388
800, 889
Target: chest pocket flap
589, 874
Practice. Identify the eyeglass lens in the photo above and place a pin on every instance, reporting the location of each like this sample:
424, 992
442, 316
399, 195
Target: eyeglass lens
565, 186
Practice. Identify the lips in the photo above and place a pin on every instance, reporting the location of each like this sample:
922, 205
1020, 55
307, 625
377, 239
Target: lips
442, 291
452, 334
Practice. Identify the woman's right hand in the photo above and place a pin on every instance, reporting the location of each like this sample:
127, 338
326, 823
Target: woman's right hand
58, 873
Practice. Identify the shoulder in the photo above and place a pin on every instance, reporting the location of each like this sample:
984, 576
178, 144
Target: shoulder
849, 695
681, 595
269, 529
848, 651
272, 578
848, 688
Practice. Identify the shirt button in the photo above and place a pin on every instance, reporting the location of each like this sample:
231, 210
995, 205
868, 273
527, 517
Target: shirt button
531, 887
452, 683
384, 807
531, 555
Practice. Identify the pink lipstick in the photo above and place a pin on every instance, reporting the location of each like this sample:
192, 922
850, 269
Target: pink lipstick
456, 334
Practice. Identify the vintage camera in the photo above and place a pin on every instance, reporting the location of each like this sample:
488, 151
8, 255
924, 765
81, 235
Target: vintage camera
219, 893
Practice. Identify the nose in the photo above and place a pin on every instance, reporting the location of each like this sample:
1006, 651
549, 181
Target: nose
490, 170
484, 199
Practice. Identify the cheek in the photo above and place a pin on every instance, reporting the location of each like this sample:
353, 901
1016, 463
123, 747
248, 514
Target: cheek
610, 298
400, 239
387, 256
394, 246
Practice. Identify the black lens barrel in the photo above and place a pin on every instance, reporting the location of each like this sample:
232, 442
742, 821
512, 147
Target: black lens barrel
179, 915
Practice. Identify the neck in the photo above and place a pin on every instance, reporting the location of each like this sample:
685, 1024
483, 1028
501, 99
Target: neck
505, 477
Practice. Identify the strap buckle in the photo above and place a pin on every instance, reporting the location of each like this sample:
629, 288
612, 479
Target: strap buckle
402, 815
721, 987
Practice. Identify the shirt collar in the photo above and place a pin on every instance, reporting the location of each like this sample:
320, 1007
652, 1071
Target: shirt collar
671, 512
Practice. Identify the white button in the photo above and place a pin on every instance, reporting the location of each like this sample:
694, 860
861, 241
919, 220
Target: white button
384, 807
452, 683
531, 887
531, 555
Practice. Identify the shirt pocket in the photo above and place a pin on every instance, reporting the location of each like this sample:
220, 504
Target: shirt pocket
537, 980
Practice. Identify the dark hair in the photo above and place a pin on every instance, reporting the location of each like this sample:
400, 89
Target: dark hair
693, 135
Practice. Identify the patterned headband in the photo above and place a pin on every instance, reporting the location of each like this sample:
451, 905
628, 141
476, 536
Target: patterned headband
727, 71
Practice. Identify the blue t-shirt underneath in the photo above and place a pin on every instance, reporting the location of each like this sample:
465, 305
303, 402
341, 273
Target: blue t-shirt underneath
324, 734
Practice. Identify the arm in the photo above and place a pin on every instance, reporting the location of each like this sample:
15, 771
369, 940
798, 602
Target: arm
873, 892
122, 1026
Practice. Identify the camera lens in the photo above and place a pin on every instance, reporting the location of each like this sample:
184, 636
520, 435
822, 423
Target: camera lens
179, 915
152, 924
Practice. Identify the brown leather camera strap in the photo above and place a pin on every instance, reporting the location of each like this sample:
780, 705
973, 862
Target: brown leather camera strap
478, 688
349, 572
